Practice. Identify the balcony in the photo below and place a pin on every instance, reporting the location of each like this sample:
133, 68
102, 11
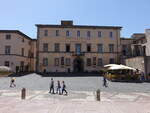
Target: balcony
78, 54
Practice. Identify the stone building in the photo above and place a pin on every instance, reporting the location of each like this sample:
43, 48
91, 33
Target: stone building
76, 48
17, 51
139, 57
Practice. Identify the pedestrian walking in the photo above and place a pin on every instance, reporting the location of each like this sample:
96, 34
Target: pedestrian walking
142, 76
12, 82
58, 88
104, 82
64, 88
51, 86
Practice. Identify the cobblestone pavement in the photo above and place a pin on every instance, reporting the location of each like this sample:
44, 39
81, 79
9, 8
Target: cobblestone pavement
117, 98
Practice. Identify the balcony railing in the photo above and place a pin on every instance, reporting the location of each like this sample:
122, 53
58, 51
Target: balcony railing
78, 54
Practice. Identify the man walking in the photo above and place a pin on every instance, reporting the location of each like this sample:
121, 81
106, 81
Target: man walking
64, 88
104, 82
52, 86
58, 87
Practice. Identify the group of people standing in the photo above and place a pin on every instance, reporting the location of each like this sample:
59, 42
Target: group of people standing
60, 88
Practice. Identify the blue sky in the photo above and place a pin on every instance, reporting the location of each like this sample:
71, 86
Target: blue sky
132, 15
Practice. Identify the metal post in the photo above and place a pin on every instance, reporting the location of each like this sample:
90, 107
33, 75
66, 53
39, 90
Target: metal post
23, 93
98, 95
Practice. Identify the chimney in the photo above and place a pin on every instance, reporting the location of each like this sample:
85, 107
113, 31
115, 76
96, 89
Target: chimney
66, 22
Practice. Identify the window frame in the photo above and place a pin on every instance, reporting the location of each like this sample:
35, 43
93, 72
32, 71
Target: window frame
57, 33
68, 46
99, 62
111, 48
111, 34
67, 33
56, 61
99, 34
88, 48
57, 47
7, 50
68, 61
45, 47
45, 32
8, 37
7, 62
88, 34
88, 62
78, 33
100, 48
45, 61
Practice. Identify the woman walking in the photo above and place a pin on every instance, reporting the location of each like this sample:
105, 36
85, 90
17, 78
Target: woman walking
58, 87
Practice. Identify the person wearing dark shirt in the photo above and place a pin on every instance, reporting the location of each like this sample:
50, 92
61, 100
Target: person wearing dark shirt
58, 87
64, 88
104, 82
52, 86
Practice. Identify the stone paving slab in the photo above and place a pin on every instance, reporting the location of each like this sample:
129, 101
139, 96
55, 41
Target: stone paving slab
40, 106
77, 96
43, 102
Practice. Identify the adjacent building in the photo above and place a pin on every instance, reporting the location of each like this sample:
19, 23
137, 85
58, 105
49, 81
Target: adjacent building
76, 48
139, 54
17, 51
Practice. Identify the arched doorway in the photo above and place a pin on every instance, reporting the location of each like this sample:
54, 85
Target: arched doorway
78, 64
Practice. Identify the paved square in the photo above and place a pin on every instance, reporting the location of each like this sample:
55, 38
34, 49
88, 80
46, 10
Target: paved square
117, 98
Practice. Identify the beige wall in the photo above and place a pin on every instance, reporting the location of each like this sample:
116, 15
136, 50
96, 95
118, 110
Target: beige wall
148, 42
15, 57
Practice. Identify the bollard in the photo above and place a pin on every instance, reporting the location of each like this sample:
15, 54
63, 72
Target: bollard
98, 95
23, 93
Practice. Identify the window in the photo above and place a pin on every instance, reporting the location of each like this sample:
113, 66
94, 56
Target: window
22, 63
67, 61
94, 60
111, 61
67, 47
56, 61
8, 37
45, 47
45, 61
30, 54
62, 60
78, 49
57, 32
57, 49
7, 50
6, 63
88, 61
124, 50
110, 34
88, 34
99, 34
29, 42
78, 33
88, 47
111, 48
99, 48
67, 33
22, 51
22, 39
100, 62
45, 32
